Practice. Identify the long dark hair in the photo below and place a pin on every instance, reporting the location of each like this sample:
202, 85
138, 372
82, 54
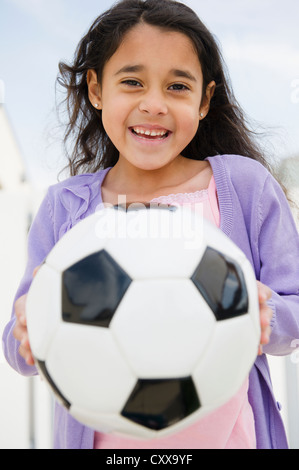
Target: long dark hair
223, 131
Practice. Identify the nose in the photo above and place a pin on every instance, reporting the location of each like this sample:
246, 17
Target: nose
153, 102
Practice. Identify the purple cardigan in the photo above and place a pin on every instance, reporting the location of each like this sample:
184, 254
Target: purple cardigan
254, 214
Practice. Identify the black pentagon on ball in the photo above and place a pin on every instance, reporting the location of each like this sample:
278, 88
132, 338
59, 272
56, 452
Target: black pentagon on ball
221, 282
158, 404
92, 290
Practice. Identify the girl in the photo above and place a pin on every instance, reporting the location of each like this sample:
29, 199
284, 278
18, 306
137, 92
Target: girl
152, 118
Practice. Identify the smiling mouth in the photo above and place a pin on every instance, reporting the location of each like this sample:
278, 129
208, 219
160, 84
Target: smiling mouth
150, 134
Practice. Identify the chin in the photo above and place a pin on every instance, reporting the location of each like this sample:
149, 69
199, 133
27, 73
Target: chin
151, 164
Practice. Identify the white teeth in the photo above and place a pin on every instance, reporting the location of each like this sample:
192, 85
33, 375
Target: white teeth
153, 133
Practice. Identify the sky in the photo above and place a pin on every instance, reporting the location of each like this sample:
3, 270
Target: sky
259, 40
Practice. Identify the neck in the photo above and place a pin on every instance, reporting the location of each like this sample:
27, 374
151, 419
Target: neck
128, 179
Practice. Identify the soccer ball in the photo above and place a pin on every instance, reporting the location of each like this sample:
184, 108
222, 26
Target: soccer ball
143, 319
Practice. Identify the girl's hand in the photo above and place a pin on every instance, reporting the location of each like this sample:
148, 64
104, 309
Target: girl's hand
20, 330
264, 294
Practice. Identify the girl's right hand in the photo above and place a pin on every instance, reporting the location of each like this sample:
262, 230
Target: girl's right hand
20, 330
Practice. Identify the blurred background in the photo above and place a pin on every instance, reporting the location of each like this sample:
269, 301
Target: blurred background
260, 44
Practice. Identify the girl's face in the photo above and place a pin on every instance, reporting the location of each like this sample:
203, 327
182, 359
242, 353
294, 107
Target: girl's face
151, 96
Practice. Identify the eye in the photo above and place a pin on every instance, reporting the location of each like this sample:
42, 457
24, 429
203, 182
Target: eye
179, 87
131, 83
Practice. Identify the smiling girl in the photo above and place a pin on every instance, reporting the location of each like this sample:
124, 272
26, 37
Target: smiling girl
152, 117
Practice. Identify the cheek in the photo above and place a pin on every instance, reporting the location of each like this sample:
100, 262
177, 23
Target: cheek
115, 105
113, 118
115, 112
189, 122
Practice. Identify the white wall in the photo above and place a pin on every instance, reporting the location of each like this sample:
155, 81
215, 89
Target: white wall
11, 163
285, 380
25, 404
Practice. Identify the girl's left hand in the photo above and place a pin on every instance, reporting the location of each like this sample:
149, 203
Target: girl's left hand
264, 294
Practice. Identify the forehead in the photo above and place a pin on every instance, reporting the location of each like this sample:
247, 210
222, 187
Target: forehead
155, 47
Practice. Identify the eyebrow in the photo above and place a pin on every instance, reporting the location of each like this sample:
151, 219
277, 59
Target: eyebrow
130, 69
139, 68
183, 74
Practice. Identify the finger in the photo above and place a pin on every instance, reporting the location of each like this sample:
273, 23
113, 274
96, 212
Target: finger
266, 314
265, 336
264, 292
25, 341
20, 309
30, 360
18, 332
264, 340
27, 355
25, 350
265, 320
266, 330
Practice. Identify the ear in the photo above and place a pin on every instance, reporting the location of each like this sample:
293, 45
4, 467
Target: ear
94, 89
206, 100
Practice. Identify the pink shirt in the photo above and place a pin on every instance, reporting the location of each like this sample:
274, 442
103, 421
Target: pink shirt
229, 427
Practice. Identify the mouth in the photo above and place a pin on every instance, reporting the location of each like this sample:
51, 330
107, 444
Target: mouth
150, 134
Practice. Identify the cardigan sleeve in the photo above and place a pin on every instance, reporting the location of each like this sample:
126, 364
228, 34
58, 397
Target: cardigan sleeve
40, 242
64, 205
278, 243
